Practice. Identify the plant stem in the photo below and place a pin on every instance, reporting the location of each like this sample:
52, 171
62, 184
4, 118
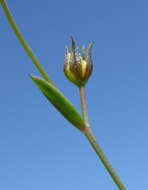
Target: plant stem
23, 42
92, 140
103, 159
84, 105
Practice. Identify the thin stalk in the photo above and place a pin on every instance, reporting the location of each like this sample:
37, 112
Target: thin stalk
84, 105
22, 41
104, 159
92, 140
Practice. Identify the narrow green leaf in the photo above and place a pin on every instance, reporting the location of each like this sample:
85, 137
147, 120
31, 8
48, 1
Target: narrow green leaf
60, 102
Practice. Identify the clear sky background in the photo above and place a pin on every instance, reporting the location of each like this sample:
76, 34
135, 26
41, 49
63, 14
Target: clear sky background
39, 149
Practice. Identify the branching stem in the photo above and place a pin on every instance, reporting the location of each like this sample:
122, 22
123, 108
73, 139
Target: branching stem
87, 132
92, 140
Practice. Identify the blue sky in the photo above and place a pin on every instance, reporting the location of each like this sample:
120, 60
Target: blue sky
39, 149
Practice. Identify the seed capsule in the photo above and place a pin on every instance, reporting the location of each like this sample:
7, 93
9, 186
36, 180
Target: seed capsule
78, 67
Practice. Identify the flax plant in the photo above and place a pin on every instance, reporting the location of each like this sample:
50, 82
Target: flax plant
78, 68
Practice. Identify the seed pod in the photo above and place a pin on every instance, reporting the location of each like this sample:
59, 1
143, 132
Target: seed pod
78, 67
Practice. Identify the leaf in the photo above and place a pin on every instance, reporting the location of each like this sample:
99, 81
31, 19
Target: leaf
60, 102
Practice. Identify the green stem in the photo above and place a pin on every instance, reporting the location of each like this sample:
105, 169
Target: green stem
92, 140
103, 159
23, 42
84, 105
